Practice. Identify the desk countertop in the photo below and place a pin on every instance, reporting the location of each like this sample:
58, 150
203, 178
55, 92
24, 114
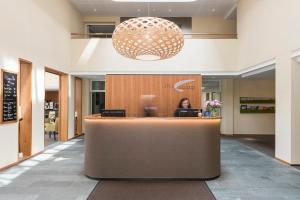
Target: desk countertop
98, 117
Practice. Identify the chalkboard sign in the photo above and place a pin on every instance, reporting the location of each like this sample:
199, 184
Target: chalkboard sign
9, 97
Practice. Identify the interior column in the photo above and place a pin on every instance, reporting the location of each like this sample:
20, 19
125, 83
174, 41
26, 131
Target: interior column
227, 107
287, 110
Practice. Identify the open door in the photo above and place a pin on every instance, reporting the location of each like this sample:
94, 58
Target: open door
78, 106
25, 104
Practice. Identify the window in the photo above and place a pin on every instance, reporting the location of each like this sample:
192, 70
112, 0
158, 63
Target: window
97, 96
211, 90
100, 28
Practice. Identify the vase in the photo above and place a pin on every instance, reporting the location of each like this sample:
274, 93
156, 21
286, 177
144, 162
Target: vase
214, 112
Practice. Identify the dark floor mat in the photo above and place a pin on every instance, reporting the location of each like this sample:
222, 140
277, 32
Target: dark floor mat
151, 190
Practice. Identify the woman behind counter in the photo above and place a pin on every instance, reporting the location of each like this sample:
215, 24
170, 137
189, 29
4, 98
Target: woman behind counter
184, 103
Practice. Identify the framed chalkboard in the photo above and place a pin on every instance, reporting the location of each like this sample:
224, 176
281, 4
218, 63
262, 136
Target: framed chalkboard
9, 97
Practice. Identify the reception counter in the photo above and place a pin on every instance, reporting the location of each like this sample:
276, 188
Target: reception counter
133, 148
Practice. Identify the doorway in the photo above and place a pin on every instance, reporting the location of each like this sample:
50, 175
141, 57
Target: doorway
62, 106
51, 109
25, 109
254, 116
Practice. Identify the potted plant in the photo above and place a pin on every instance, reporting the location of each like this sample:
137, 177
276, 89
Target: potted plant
213, 107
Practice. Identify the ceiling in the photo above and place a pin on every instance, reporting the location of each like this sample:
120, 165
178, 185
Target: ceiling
217, 8
267, 75
92, 77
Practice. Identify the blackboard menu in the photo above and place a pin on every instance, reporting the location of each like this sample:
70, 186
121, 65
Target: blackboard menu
9, 96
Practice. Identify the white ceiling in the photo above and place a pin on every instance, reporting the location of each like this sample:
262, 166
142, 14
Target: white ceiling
220, 8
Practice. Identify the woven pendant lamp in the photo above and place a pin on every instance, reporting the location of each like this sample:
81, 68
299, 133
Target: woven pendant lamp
148, 38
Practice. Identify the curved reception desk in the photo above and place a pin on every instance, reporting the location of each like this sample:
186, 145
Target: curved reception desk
134, 148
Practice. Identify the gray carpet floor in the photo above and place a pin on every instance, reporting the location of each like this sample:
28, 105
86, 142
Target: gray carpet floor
262, 143
58, 174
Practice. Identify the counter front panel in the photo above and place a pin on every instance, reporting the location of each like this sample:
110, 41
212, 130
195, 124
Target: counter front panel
152, 148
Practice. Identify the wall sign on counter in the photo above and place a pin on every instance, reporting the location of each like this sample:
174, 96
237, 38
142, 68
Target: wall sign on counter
9, 97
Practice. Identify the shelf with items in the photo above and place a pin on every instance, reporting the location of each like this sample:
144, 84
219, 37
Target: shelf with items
257, 105
50, 105
270, 110
256, 100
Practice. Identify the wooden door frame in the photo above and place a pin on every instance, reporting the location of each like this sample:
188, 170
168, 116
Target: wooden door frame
63, 102
75, 124
21, 60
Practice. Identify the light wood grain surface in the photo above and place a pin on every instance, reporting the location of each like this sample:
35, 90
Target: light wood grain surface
129, 92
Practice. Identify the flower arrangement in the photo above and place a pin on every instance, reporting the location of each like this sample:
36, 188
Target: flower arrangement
212, 106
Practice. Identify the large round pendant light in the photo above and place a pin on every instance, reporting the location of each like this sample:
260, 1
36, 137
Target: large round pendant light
148, 38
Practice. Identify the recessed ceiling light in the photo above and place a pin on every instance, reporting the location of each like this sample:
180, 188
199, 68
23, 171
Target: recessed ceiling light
170, 10
139, 10
95, 10
213, 10
161, 1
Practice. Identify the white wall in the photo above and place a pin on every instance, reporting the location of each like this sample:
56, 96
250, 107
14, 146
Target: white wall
233, 122
71, 109
270, 29
265, 30
38, 31
245, 123
51, 82
213, 25
295, 112
99, 56
101, 19
199, 24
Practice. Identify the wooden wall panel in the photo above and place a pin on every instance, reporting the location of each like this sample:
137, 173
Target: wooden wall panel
78, 106
125, 91
63, 107
25, 102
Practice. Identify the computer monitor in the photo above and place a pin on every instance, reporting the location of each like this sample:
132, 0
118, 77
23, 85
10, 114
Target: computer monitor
113, 113
181, 112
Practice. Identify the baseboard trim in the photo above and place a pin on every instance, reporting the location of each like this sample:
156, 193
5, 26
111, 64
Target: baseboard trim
253, 135
283, 161
20, 161
76, 136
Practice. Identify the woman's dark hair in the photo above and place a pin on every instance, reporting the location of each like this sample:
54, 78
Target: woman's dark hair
182, 100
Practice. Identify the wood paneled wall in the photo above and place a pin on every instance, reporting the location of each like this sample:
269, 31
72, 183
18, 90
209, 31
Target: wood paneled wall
126, 91
25, 102
63, 106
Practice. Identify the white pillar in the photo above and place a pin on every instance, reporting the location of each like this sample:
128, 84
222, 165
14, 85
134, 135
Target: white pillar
295, 159
287, 146
227, 107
